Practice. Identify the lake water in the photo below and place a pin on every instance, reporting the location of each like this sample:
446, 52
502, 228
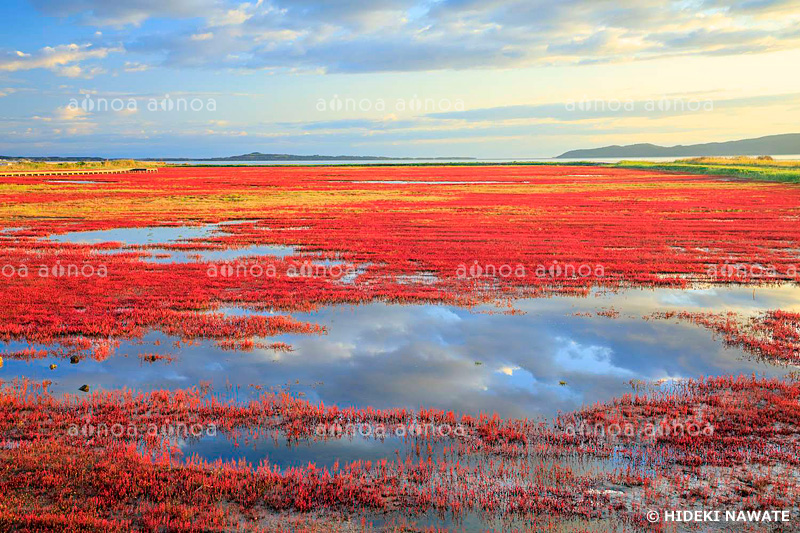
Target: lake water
469, 361
449, 161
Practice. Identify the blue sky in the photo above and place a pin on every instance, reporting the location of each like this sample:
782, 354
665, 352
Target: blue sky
496, 78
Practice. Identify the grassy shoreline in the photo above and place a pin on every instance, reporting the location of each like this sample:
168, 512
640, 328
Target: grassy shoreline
738, 167
44, 166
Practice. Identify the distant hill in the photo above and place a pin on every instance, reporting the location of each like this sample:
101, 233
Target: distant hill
786, 144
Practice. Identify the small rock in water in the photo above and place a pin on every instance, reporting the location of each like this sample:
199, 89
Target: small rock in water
74, 360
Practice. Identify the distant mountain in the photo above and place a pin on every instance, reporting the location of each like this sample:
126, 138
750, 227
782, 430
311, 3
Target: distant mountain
786, 144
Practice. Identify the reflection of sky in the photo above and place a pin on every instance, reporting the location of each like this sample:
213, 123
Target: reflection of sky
148, 236
279, 452
437, 356
137, 236
719, 298
384, 356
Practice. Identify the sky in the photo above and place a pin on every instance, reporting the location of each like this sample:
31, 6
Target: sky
488, 79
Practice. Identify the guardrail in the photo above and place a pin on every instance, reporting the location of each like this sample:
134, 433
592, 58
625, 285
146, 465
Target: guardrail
72, 172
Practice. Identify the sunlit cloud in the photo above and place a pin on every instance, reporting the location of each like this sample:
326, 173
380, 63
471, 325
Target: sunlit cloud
398, 35
62, 59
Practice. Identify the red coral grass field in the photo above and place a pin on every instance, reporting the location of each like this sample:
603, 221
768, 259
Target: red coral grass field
276, 242
518, 468
533, 230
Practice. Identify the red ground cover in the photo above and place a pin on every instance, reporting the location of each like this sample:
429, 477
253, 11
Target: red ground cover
456, 234
719, 443
459, 235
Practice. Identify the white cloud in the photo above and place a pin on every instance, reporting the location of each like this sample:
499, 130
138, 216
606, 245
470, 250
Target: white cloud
131, 66
577, 357
413, 35
400, 35
62, 59
230, 17
76, 71
508, 370
66, 120
70, 113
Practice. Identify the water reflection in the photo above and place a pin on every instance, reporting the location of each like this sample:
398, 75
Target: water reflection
165, 255
469, 361
138, 236
559, 355
150, 236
